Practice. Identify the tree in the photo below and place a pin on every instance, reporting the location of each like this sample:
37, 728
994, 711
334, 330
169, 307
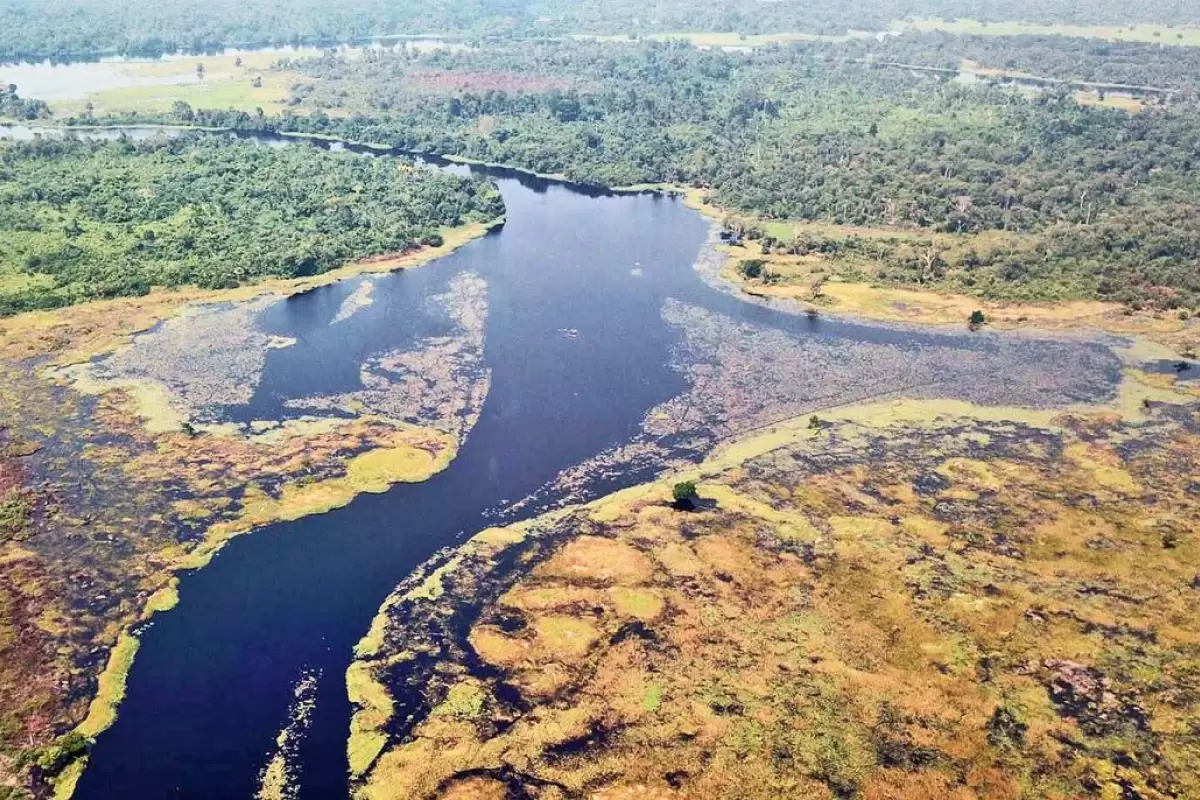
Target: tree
182, 112
685, 495
976, 320
57, 756
752, 268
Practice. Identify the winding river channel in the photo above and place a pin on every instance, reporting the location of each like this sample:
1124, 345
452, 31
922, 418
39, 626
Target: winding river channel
591, 299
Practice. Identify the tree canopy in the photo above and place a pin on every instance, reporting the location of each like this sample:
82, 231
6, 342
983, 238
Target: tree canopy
32, 29
82, 220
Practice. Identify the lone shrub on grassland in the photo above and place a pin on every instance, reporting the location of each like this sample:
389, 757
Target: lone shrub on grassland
685, 495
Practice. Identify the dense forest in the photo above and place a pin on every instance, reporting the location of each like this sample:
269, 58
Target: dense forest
80, 28
82, 220
1060, 199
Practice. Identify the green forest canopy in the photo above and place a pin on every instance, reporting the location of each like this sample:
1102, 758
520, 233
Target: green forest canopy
78, 28
82, 220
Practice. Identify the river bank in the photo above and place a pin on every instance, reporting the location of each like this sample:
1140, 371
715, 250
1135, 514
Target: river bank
816, 282
115, 460
852, 294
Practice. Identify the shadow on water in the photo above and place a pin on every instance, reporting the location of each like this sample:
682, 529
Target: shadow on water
579, 352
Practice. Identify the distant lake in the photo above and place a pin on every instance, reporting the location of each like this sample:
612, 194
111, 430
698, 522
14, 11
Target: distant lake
76, 80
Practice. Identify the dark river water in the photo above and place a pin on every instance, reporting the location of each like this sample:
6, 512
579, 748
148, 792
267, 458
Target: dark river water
211, 686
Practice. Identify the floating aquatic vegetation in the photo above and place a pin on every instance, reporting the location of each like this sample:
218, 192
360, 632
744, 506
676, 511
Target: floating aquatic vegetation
440, 382
279, 779
208, 355
362, 296
877, 607
744, 377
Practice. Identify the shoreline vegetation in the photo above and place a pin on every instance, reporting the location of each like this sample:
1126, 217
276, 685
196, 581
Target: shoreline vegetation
793, 279
840, 295
86, 220
814, 283
598, 647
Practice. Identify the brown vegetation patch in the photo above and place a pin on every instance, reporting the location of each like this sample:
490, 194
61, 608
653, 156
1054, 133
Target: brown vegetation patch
443, 81
595, 560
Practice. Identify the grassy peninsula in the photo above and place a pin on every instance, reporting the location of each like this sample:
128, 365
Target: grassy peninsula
907, 600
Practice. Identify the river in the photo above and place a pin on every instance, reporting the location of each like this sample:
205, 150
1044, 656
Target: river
580, 349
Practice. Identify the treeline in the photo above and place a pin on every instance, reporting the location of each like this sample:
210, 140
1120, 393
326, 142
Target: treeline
1060, 58
83, 220
13, 106
65, 29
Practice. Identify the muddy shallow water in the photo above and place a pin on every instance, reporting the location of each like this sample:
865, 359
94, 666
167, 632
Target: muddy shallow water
601, 338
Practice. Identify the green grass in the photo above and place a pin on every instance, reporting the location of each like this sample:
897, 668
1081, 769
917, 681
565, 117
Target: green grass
225, 86
13, 282
652, 700
729, 39
239, 95
14, 513
1155, 34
